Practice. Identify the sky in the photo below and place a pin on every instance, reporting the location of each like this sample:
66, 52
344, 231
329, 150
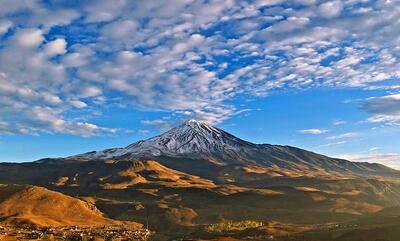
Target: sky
77, 76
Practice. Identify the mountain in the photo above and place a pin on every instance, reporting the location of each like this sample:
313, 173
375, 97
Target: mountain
194, 140
195, 178
32, 205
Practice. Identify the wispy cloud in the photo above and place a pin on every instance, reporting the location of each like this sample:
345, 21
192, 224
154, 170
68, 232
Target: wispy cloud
388, 159
333, 144
346, 135
339, 122
163, 124
383, 109
313, 131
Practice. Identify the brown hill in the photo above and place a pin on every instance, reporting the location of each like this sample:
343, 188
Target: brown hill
146, 191
38, 206
193, 176
148, 172
107, 174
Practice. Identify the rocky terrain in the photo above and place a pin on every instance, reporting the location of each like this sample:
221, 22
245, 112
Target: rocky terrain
201, 182
37, 206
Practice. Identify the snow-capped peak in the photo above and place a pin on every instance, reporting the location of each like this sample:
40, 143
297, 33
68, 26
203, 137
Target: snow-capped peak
199, 125
196, 140
193, 137
190, 137
195, 125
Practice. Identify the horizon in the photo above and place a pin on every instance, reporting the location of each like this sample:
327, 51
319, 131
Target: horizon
85, 76
181, 124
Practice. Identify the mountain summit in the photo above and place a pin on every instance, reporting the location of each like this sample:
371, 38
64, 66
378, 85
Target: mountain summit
194, 138
198, 141
189, 138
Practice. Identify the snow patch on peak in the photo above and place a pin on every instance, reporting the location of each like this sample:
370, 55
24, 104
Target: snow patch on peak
200, 125
194, 138
190, 137
193, 122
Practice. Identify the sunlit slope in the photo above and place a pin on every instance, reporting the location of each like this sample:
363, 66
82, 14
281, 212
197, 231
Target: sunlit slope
39, 206
196, 175
107, 174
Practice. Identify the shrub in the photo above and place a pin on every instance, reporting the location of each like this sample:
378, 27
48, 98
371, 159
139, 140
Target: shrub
232, 226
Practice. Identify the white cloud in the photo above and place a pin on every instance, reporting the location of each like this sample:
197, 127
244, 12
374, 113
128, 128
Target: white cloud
306, 2
290, 24
89, 91
120, 29
103, 10
346, 135
313, 131
339, 122
56, 124
389, 159
383, 109
330, 9
45, 119
192, 58
33, 92
333, 144
49, 18
74, 60
389, 119
56, 47
29, 37
163, 124
78, 104
5, 26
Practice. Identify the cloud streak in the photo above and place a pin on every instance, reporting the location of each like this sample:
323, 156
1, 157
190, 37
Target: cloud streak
383, 109
313, 131
390, 159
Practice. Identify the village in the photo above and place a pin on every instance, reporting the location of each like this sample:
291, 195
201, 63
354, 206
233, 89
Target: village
74, 233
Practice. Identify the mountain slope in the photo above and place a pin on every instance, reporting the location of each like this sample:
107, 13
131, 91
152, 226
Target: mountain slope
195, 140
39, 206
99, 174
196, 175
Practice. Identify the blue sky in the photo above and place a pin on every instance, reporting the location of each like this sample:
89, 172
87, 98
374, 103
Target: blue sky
323, 75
